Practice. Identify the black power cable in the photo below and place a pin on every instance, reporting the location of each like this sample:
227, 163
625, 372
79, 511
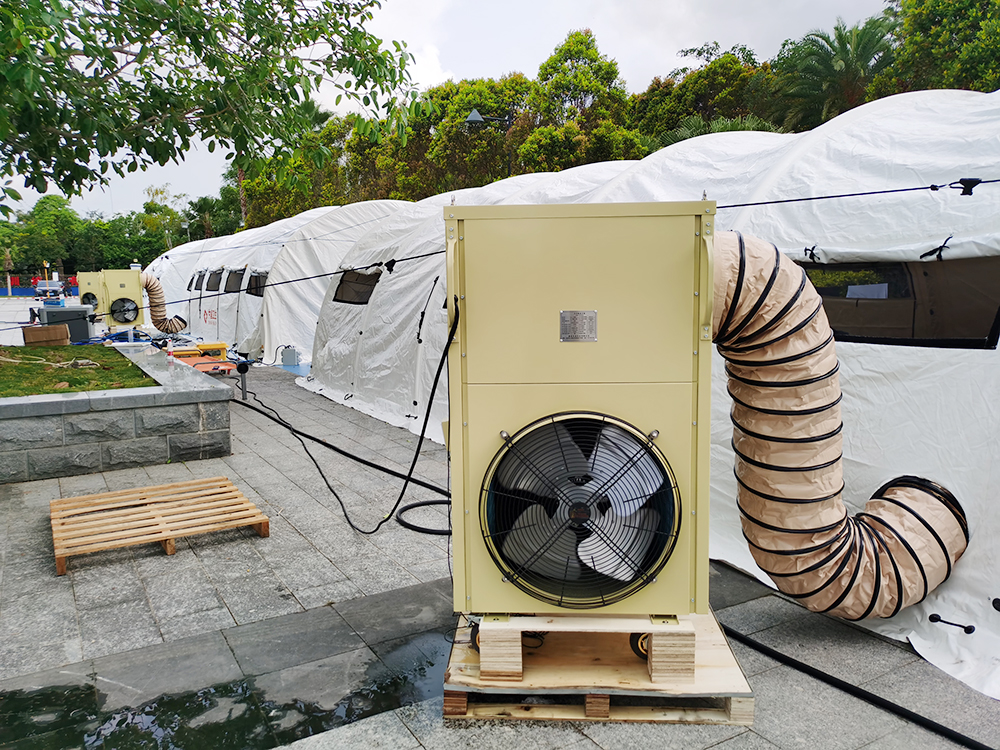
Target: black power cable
336, 449
858, 692
408, 478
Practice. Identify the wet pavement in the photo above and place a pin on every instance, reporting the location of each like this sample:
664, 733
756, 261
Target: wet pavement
325, 637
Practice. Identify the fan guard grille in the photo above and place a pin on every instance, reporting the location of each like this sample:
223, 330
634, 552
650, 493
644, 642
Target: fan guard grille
124, 310
580, 510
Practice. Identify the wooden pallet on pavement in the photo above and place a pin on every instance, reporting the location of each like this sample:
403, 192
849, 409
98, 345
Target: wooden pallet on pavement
110, 520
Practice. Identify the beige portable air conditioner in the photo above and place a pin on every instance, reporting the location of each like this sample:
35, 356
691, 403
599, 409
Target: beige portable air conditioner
116, 296
579, 385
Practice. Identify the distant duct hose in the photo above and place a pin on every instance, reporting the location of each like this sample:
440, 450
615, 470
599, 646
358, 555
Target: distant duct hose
770, 327
158, 306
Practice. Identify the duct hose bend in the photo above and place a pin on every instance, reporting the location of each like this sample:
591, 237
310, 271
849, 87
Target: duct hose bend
781, 362
158, 306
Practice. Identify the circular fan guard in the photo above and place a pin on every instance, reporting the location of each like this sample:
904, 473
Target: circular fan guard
124, 310
89, 298
580, 510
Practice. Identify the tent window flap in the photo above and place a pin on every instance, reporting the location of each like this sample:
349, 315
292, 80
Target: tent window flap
234, 281
356, 288
256, 284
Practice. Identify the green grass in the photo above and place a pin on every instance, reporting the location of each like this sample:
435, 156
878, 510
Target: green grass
36, 370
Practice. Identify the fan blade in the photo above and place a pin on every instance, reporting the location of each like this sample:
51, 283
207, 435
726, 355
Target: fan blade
615, 457
618, 544
538, 544
543, 462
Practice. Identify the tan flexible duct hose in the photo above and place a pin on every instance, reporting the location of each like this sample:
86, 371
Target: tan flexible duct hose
158, 306
770, 326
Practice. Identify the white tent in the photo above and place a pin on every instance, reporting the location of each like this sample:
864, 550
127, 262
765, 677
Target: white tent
380, 357
261, 289
925, 411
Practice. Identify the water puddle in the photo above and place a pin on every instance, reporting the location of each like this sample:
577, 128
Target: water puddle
235, 715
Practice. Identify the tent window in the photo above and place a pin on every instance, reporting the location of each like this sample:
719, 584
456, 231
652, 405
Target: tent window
861, 281
190, 283
214, 281
356, 288
256, 284
950, 303
234, 281
198, 279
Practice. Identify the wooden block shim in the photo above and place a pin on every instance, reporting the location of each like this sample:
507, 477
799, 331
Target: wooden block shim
671, 656
161, 513
500, 654
56, 334
456, 703
597, 706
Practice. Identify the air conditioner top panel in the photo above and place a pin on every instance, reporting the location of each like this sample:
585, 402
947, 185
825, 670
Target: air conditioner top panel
581, 293
581, 210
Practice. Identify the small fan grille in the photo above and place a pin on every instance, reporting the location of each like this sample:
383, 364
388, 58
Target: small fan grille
89, 298
124, 310
580, 510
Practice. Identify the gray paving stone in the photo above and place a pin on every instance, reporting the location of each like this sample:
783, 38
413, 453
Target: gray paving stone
923, 688
795, 711
751, 661
196, 623
326, 684
284, 642
21, 658
179, 591
747, 741
117, 628
666, 736
425, 723
912, 737
375, 573
78, 673
257, 598
836, 648
85, 484
760, 614
130, 679
331, 593
99, 587
40, 616
384, 617
728, 586
125, 479
383, 730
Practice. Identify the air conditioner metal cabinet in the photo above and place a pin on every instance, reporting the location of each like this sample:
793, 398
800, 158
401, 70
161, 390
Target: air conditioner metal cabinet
580, 308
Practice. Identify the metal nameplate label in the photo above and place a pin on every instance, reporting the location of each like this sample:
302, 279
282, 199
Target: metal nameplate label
578, 325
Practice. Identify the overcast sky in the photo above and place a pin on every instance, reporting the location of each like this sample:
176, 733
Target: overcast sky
471, 39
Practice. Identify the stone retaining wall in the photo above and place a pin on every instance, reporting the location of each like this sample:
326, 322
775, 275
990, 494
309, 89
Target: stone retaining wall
185, 417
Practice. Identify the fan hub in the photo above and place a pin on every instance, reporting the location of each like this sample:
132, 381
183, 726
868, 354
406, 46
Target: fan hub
579, 514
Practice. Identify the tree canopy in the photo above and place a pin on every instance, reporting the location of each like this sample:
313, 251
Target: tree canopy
92, 86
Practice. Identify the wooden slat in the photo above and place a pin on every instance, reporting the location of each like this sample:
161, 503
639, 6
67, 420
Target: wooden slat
141, 491
99, 507
147, 512
154, 532
111, 520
